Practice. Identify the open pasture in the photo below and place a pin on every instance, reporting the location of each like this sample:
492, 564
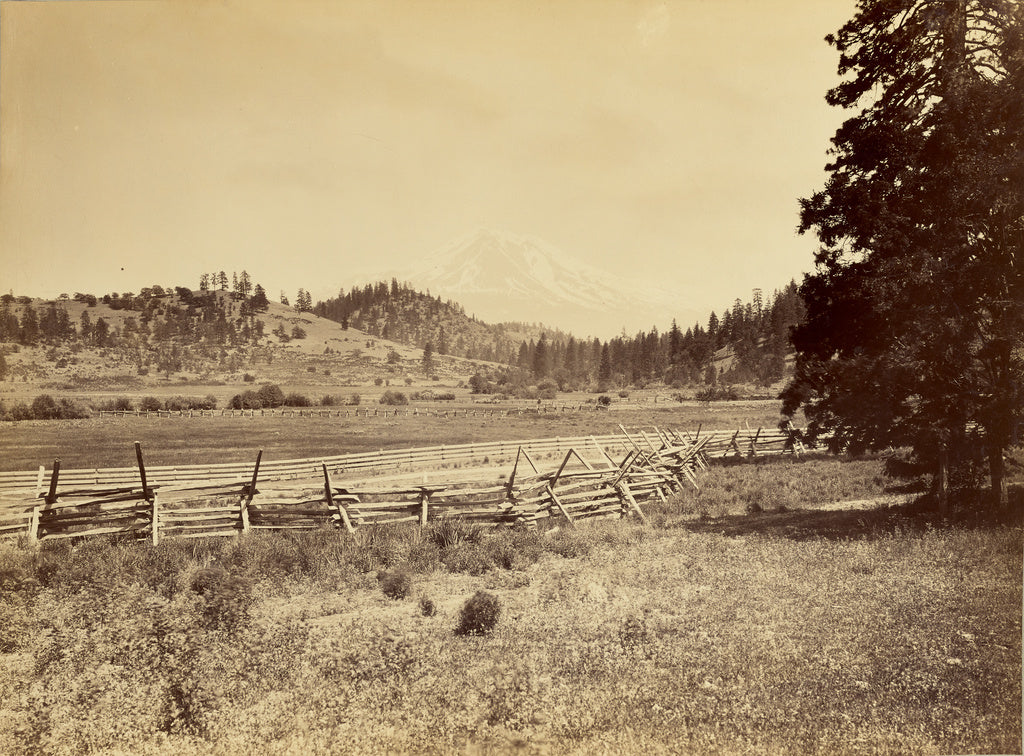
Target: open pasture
708, 631
107, 441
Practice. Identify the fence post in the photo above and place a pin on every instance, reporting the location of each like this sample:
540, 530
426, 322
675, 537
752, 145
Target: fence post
155, 518
329, 495
424, 498
142, 470
561, 509
248, 493
33, 527
627, 496
51, 496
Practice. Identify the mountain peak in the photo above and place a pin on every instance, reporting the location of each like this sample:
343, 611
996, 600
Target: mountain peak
504, 276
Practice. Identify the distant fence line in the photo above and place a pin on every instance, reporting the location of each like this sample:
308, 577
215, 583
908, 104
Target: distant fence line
214, 500
378, 411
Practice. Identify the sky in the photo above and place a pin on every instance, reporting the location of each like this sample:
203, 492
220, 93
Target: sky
313, 142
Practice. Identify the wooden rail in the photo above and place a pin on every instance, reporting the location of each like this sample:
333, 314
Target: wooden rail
577, 490
718, 444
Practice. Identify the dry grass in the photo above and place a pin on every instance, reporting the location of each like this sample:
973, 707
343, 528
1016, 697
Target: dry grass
882, 632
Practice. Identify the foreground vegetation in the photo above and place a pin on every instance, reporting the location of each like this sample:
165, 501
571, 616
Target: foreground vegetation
710, 631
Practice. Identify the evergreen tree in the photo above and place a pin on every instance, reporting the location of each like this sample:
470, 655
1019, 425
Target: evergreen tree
428, 358
259, 302
29, 328
915, 311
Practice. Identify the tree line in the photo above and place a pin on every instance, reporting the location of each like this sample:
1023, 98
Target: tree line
168, 329
748, 344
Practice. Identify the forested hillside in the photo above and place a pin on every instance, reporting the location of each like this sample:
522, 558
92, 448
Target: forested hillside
162, 329
748, 344
397, 312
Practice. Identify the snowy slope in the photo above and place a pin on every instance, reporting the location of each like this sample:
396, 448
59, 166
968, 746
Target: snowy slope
499, 276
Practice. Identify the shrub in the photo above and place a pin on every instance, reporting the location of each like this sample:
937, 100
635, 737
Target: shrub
298, 333
427, 607
45, 407
450, 532
245, 400
249, 378
717, 394
471, 558
182, 403
18, 411
354, 400
479, 614
395, 585
227, 598
270, 395
394, 398
150, 404
297, 400
604, 400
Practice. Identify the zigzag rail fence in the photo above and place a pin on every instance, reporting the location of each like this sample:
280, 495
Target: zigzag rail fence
195, 501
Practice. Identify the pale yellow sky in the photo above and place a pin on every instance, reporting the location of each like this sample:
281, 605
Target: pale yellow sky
305, 140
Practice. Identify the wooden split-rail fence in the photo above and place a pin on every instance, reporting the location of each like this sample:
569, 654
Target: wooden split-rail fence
381, 411
153, 503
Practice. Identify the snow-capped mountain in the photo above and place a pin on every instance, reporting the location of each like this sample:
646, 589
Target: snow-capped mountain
500, 276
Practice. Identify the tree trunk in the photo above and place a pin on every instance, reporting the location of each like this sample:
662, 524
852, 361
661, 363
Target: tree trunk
1000, 496
942, 478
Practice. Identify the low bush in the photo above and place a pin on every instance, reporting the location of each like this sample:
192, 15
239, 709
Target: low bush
227, 598
297, 400
394, 398
395, 584
120, 404
479, 614
450, 532
717, 394
44, 407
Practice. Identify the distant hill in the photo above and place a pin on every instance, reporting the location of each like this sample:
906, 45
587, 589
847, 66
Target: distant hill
396, 311
211, 336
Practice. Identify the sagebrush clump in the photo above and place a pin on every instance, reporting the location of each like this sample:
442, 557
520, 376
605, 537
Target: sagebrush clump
479, 614
395, 585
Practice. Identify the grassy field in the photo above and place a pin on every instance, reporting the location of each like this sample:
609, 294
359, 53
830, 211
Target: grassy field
788, 631
107, 441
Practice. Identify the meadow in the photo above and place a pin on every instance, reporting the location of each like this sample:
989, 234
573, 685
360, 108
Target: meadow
107, 441
746, 618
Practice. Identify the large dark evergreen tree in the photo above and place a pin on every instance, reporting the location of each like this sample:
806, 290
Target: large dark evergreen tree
915, 312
